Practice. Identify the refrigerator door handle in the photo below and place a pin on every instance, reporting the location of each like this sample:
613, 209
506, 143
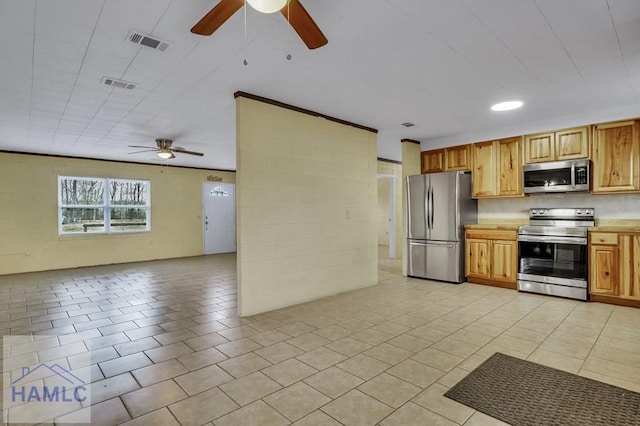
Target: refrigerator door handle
432, 206
428, 212
445, 245
426, 207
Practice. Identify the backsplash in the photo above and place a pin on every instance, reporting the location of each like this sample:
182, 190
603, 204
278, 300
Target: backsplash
623, 206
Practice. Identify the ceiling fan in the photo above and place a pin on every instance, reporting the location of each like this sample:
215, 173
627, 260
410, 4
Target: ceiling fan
294, 12
165, 150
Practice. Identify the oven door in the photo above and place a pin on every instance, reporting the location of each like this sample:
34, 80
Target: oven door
553, 260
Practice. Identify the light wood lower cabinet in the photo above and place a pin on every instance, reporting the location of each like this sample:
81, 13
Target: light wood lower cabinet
614, 267
603, 275
491, 257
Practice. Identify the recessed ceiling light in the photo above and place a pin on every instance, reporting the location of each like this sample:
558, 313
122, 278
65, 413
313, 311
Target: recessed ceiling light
507, 106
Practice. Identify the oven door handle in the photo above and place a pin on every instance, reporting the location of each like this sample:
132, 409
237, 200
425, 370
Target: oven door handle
552, 239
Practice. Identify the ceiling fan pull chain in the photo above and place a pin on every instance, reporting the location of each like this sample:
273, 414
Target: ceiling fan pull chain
288, 32
245, 62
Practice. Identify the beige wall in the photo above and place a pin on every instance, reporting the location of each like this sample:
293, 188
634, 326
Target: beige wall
394, 169
383, 211
306, 200
29, 239
410, 166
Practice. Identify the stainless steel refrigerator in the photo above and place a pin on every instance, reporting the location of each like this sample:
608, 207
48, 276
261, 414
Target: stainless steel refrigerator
439, 205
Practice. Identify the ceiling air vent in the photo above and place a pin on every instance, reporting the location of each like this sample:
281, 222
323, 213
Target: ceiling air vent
119, 83
143, 39
408, 124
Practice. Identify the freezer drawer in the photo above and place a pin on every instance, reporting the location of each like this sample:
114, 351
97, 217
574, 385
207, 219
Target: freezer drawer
417, 259
436, 260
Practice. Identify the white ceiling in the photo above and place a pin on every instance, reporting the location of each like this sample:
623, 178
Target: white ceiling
436, 63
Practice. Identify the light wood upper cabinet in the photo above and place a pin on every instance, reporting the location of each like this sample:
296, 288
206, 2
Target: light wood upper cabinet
572, 143
458, 158
497, 168
484, 181
616, 157
446, 159
556, 146
539, 148
433, 161
509, 167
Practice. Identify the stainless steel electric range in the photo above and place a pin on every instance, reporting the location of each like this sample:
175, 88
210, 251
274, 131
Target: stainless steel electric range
553, 252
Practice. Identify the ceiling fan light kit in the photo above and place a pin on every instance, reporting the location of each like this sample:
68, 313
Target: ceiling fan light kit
267, 6
165, 149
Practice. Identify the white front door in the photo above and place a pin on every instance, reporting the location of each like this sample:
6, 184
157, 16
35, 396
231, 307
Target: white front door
219, 217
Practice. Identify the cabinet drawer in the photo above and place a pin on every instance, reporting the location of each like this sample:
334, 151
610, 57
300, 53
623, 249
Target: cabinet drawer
492, 234
604, 238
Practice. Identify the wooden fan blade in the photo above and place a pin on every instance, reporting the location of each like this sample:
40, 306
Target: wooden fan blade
184, 151
217, 16
304, 25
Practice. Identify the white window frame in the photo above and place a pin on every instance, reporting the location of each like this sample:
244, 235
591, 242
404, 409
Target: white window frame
106, 206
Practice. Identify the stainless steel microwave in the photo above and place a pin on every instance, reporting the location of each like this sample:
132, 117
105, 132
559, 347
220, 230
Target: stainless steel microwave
557, 176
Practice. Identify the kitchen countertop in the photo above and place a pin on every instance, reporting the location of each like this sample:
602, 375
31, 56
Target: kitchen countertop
504, 226
614, 229
616, 225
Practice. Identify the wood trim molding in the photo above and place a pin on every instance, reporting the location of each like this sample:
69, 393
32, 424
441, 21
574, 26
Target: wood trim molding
411, 141
113, 161
389, 161
474, 280
614, 300
301, 110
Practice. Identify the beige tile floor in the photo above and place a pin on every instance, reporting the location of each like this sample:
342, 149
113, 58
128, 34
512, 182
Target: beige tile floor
168, 348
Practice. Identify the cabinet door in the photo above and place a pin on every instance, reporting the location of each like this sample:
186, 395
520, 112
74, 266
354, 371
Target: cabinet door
603, 277
477, 258
630, 266
539, 148
484, 169
572, 143
458, 158
504, 261
433, 161
616, 157
509, 167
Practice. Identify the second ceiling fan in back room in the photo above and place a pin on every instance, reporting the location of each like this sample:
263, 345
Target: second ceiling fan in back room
293, 11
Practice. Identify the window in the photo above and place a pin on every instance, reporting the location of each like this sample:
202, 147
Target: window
102, 205
219, 191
